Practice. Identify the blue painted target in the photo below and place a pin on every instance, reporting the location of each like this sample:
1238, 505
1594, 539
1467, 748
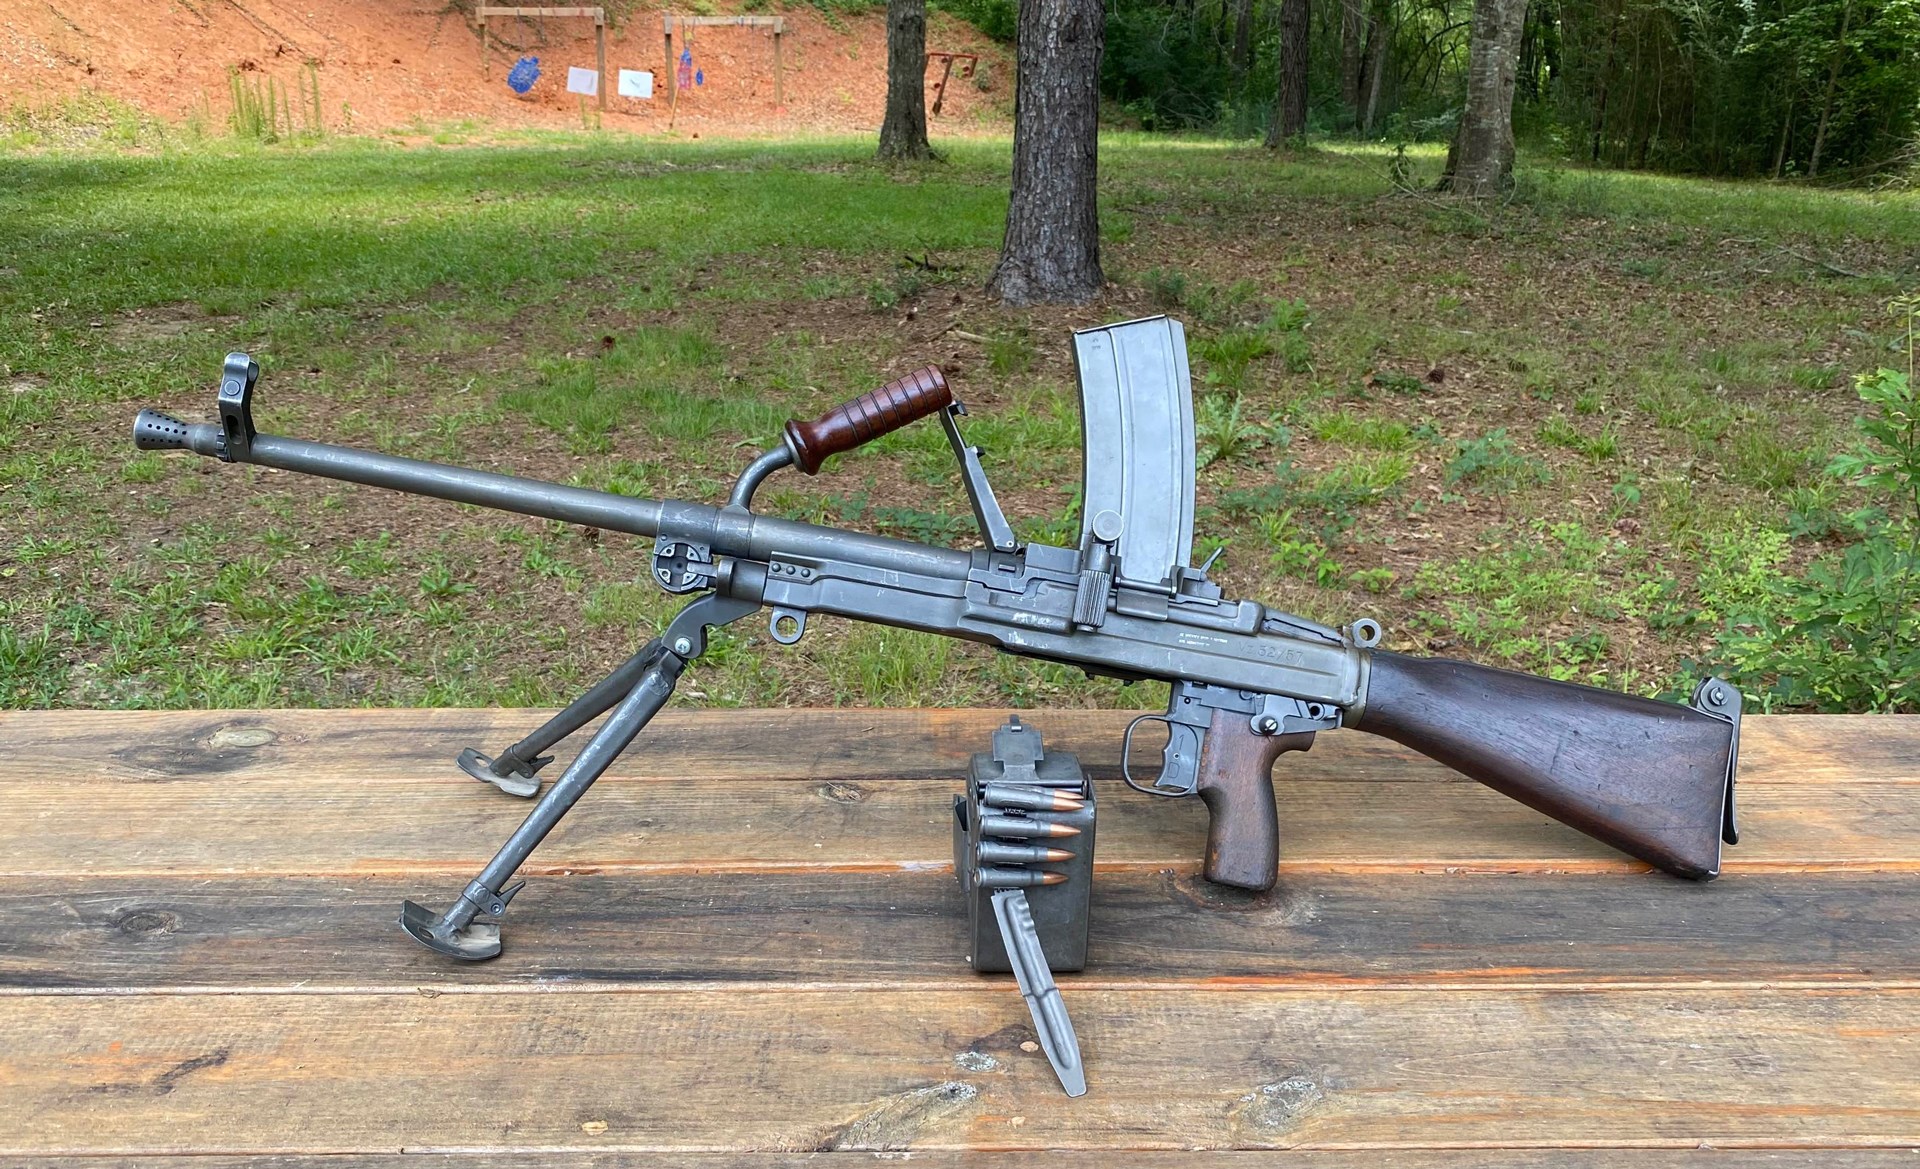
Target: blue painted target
525, 72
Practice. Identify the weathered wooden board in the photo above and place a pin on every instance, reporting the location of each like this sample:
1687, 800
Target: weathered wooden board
328, 824
487, 10
740, 956
418, 746
703, 1069
1476, 1158
889, 928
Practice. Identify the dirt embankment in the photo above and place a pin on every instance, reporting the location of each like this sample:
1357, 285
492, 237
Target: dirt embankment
381, 65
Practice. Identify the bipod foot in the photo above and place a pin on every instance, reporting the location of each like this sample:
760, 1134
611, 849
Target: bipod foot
518, 780
514, 770
475, 942
455, 933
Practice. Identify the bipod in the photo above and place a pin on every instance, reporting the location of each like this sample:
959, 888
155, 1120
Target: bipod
513, 770
653, 673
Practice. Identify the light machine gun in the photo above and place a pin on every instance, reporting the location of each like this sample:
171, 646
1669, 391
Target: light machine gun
1653, 779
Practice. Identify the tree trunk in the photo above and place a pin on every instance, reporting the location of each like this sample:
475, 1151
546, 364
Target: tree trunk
1242, 38
1353, 29
1290, 118
1527, 86
904, 132
1833, 83
1606, 80
1051, 254
1375, 65
1480, 162
1634, 72
1786, 131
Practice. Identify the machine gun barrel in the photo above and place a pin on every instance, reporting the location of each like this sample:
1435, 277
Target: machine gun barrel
730, 532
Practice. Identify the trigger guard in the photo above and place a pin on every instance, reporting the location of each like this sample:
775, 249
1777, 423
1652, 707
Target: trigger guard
1126, 759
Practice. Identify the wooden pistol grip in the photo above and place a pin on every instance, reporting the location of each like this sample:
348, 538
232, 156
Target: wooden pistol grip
867, 417
1236, 784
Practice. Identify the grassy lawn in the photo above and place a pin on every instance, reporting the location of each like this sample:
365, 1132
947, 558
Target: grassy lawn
1568, 434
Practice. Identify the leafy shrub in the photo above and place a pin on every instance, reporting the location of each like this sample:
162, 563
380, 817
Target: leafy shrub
999, 19
1846, 635
1399, 383
1491, 464
1221, 430
1167, 286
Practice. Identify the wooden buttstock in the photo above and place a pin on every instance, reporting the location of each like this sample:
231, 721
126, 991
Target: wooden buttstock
1236, 784
1649, 778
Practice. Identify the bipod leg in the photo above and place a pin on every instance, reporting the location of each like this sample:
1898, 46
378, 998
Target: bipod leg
455, 933
513, 770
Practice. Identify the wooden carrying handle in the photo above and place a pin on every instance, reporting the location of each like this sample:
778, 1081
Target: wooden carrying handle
1236, 784
867, 417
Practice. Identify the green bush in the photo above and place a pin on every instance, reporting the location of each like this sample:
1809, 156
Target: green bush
1221, 429
1846, 635
999, 19
1490, 463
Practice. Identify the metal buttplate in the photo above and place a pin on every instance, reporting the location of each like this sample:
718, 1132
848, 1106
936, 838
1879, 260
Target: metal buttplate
1722, 700
1136, 408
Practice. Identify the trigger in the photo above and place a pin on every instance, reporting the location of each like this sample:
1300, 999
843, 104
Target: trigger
1180, 761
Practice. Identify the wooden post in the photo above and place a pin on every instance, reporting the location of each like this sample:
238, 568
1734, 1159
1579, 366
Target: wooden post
779, 93
483, 10
666, 21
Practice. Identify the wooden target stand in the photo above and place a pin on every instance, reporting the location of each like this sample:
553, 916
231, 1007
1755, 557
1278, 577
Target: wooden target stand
670, 20
599, 16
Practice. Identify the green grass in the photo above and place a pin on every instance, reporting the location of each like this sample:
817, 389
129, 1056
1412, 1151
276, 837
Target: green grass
1484, 471
1559, 431
1349, 429
662, 377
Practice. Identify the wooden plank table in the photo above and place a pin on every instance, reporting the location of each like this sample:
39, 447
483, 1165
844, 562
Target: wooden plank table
745, 949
